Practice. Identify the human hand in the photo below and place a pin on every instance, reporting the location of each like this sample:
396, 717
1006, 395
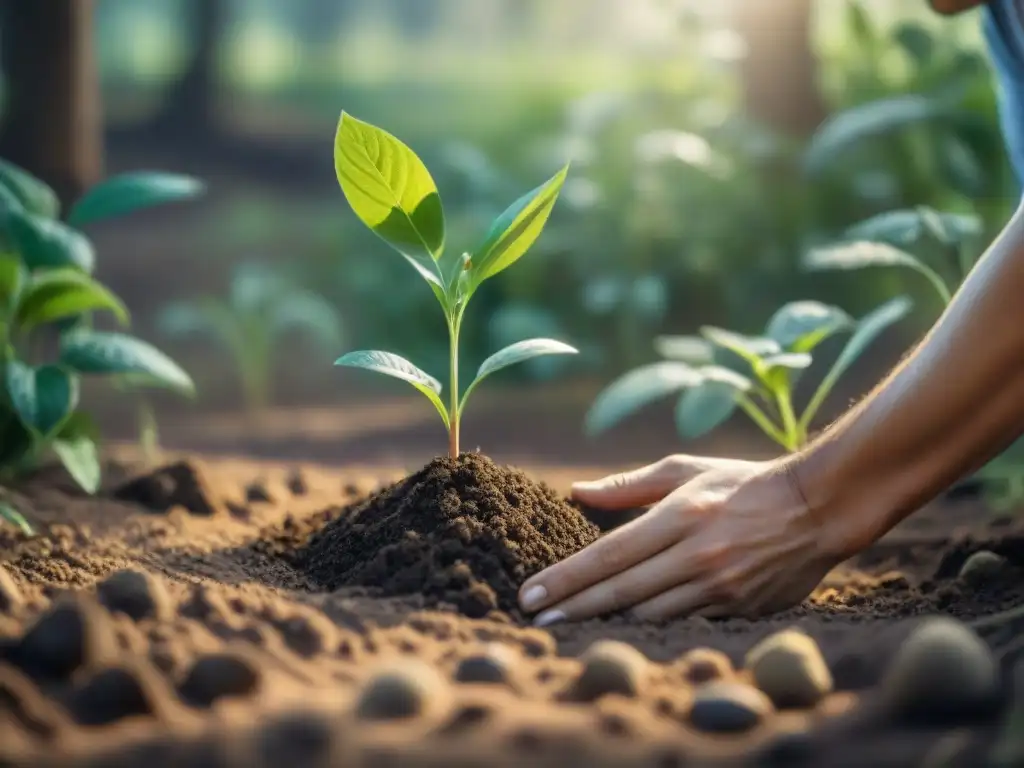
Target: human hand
724, 537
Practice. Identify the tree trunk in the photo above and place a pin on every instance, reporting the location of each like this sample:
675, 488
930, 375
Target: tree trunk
53, 118
191, 106
780, 71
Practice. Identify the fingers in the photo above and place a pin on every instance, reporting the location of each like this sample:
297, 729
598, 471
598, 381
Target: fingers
612, 554
639, 487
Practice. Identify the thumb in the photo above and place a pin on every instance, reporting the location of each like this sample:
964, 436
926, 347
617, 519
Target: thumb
638, 487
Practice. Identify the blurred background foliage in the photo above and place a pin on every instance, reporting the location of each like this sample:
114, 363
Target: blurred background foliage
704, 165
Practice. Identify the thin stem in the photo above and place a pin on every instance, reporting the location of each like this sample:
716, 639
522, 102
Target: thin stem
794, 433
758, 417
454, 325
938, 283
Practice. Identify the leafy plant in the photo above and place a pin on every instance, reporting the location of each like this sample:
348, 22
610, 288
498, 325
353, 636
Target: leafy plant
720, 371
393, 193
262, 305
46, 287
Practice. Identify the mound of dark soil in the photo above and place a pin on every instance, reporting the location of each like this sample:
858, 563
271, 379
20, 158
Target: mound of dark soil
466, 532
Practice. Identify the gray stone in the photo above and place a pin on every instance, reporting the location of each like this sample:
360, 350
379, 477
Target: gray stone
981, 568
789, 668
729, 707
610, 667
400, 691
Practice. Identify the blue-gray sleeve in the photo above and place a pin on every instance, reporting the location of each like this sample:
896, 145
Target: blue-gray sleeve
1005, 38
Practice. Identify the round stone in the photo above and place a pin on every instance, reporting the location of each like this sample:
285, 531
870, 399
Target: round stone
724, 707
789, 668
401, 691
981, 568
609, 667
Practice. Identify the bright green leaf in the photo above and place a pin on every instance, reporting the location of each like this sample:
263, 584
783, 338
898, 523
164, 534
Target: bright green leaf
75, 446
779, 370
12, 276
64, 293
43, 397
517, 353
750, 348
96, 352
15, 518
636, 389
515, 230
801, 325
392, 192
35, 196
688, 349
47, 244
132, 192
399, 368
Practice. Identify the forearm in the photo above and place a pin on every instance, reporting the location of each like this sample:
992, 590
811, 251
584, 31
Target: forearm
957, 401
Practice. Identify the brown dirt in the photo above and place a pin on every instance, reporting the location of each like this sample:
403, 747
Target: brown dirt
225, 613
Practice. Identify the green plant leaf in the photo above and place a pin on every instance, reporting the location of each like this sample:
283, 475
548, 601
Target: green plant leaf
636, 389
392, 192
35, 196
98, 352
703, 407
16, 440
867, 330
64, 293
75, 446
859, 255
779, 370
515, 230
15, 518
866, 121
801, 325
906, 227
130, 192
42, 397
752, 349
916, 40
48, 244
514, 354
12, 277
309, 312
399, 368
694, 350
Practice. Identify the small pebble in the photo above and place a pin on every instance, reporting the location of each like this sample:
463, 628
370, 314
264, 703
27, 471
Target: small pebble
943, 672
981, 568
401, 691
493, 665
297, 738
10, 596
702, 665
217, 676
256, 493
136, 594
789, 667
114, 694
609, 667
728, 707
296, 483
74, 633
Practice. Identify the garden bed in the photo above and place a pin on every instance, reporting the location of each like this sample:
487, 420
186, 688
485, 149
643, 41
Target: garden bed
221, 612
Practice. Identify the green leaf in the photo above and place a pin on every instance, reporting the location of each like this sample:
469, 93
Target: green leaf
64, 293
12, 276
702, 408
636, 389
399, 368
392, 192
75, 446
907, 227
15, 518
97, 352
867, 121
867, 330
514, 354
801, 325
309, 312
515, 230
35, 196
48, 244
43, 397
688, 349
916, 40
859, 255
779, 370
750, 348
16, 440
132, 192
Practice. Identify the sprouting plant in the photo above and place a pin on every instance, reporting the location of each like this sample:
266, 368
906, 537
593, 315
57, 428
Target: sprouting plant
939, 246
46, 290
261, 306
393, 193
720, 371
12, 516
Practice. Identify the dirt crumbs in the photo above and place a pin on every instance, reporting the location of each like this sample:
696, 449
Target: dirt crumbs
466, 533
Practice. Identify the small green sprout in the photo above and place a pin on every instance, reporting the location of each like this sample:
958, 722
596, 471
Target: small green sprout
46, 287
393, 193
720, 371
262, 305
12, 516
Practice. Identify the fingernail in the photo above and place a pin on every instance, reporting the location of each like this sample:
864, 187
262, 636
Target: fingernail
587, 486
533, 597
548, 618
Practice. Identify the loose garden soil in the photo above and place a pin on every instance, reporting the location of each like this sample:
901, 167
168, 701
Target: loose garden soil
216, 612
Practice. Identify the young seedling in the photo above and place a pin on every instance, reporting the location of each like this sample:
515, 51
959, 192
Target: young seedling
393, 193
45, 285
262, 305
891, 240
720, 371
